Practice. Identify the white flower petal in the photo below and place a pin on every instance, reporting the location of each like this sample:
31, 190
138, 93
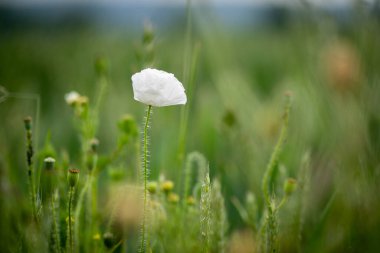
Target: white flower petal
158, 88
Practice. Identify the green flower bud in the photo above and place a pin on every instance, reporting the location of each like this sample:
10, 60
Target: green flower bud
173, 198
127, 125
290, 186
152, 187
94, 144
28, 123
190, 201
101, 66
49, 163
73, 177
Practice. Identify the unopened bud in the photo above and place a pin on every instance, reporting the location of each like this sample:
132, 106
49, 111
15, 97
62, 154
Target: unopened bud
73, 177
49, 163
190, 201
109, 240
127, 125
173, 198
152, 187
290, 186
167, 186
28, 123
101, 66
94, 144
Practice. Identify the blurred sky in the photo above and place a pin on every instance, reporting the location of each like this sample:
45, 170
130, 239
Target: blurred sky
181, 2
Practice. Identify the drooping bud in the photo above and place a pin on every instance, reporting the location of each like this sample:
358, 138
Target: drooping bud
73, 177
290, 186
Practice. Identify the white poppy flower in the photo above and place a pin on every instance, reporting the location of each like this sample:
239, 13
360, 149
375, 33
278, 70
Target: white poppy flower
72, 97
158, 88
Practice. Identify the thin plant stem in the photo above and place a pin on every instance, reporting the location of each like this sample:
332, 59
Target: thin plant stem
145, 178
57, 243
71, 241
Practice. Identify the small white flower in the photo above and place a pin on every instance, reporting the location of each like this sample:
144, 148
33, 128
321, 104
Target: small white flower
72, 97
158, 88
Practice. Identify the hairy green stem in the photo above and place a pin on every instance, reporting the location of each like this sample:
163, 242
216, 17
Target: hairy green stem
145, 178
71, 241
55, 228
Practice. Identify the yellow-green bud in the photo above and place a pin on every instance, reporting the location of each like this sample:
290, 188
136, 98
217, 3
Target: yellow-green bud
190, 201
290, 186
167, 186
73, 177
173, 198
96, 237
152, 187
28, 123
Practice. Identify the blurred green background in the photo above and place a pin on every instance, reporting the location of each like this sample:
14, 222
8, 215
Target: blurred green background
328, 57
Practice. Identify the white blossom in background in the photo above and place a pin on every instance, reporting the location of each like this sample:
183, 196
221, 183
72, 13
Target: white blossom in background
72, 97
158, 88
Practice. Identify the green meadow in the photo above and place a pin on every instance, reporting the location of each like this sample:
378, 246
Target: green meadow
276, 150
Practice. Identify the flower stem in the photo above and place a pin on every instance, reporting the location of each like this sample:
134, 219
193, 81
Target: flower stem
145, 177
55, 228
71, 241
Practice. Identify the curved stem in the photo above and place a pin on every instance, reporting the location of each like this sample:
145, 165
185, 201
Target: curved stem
275, 155
145, 176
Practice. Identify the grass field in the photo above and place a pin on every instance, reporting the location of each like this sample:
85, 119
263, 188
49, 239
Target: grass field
277, 148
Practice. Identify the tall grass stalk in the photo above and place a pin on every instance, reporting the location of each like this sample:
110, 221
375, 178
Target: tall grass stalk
29, 161
219, 218
205, 213
144, 243
270, 227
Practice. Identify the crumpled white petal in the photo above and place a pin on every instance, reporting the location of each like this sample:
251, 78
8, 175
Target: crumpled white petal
158, 88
